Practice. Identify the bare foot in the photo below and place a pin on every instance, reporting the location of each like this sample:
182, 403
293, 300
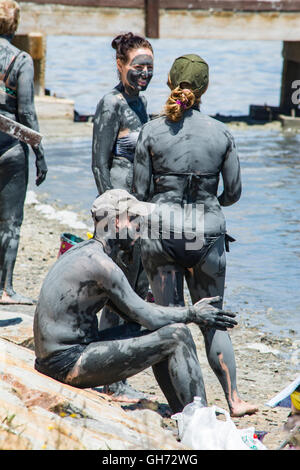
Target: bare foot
125, 393
14, 298
241, 408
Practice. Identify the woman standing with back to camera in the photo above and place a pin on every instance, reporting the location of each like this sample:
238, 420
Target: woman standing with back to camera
17, 103
119, 117
185, 152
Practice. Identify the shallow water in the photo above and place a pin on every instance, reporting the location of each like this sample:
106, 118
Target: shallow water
241, 72
263, 268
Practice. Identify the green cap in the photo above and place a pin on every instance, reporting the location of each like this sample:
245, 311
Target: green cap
192, 69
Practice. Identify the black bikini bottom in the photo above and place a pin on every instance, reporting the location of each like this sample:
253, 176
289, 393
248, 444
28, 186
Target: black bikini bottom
184, 255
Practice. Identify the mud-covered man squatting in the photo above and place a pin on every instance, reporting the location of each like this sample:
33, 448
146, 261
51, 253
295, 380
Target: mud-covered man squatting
68, 344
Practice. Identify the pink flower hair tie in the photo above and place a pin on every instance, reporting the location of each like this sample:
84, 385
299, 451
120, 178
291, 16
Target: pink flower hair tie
181, 104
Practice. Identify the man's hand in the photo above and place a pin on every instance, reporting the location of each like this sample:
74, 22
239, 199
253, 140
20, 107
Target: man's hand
206, 315
41, 170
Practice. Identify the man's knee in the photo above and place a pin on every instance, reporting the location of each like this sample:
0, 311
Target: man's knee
178, 333
183, 333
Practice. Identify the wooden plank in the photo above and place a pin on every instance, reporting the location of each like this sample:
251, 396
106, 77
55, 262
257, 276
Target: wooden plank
152, 18
17, 130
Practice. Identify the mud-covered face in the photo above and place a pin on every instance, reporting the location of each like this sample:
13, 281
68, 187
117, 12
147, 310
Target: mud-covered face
128, 230
137, 73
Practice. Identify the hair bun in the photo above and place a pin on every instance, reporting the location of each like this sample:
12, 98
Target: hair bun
121, 39
125, 42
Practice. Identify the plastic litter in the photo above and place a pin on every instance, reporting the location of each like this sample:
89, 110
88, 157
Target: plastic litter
283, 398
200, 428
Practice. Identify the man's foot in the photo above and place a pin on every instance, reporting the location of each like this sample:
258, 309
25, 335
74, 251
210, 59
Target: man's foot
14, 298
125, 393
241, 408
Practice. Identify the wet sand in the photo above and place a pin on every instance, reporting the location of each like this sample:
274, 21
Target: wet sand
265, 364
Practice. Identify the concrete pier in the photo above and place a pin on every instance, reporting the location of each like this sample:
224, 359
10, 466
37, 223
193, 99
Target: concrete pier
35, 44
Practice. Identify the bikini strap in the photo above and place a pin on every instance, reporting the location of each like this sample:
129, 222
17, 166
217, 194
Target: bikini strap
9, 68
190, 174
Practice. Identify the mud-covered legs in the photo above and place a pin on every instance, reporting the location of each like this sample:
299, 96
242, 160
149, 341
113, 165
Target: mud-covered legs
126, 351
206, 279
9, 243
13, 185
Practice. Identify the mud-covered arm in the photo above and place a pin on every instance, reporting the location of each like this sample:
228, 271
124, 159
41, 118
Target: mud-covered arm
231, 175
105, 132
126, 303
27, 113
142, 170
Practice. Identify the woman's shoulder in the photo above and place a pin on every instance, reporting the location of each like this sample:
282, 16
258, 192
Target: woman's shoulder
156, 120
113, 96
21, 63
21, 57
216, 124
110, 101
210, 120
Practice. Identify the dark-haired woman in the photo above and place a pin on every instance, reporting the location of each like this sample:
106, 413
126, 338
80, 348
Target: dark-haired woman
185, 152
119, 117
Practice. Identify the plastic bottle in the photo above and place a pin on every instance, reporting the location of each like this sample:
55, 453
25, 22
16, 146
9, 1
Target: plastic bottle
185, 416
189, 409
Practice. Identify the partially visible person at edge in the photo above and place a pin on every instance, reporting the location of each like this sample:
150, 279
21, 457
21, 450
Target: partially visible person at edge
17, 103
185, 152
118, 119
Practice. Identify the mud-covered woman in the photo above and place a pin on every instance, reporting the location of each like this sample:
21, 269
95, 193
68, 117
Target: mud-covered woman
186, 152
118, 119
17, 103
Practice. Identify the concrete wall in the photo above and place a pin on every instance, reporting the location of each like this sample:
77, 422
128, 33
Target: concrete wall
79, 21
99, 21
230, 25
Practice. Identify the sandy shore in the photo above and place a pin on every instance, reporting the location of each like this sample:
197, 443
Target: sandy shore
265, 364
